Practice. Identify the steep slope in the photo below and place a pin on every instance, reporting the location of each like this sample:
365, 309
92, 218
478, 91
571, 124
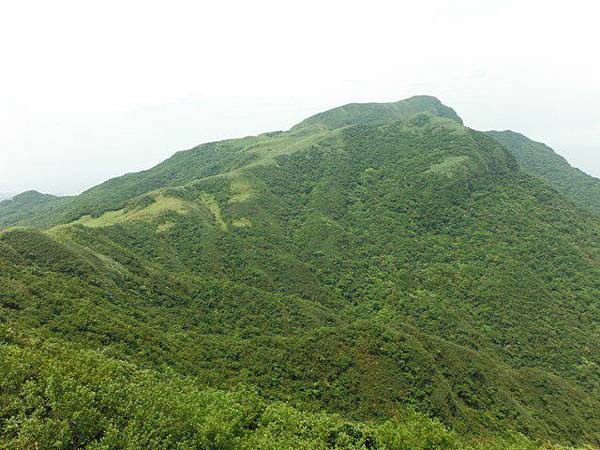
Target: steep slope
540, 160
361, 269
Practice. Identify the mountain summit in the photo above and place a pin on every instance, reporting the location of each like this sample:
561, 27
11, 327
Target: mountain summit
363, 113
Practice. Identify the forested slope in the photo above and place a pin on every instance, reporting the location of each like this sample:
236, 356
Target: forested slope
540, 160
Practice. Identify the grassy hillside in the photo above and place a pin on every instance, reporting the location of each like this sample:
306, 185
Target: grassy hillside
353, 270
540, 160
205, 161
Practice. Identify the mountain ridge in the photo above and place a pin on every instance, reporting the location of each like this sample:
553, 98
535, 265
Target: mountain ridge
201, 161
540, 160
570, 181
359, 113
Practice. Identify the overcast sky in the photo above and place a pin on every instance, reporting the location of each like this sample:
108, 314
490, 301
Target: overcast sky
92, 89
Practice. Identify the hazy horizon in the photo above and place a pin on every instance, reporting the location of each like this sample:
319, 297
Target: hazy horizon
90, 92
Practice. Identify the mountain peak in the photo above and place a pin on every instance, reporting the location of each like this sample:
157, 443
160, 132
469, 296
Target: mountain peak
32, 195
361, 113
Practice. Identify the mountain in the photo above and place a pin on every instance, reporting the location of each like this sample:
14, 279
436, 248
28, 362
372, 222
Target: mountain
540, 160
370, 113
5, 196
384, 271
212, 159
23, 206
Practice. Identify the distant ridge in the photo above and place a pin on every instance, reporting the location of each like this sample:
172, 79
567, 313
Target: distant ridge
540, 160
24, 206
27, 198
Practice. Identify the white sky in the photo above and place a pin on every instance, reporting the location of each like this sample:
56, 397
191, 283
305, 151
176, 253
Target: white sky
93, 89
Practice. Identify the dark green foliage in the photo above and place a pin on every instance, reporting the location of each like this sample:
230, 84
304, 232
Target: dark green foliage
56, 396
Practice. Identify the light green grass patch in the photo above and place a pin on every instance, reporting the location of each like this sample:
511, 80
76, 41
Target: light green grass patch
241, 191
267, 150
161, 205
164, 227
449, 165
243, 222
213, 206
106, 219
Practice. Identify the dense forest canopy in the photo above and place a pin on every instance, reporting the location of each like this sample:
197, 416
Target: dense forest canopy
378, 276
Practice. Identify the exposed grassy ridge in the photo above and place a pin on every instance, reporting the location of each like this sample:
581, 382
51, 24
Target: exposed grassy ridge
205, 161
158, 206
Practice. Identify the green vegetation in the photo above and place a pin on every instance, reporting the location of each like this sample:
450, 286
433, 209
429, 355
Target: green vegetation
540, 160
369, 113
157, 207
25, 206
60, 397
379, 276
